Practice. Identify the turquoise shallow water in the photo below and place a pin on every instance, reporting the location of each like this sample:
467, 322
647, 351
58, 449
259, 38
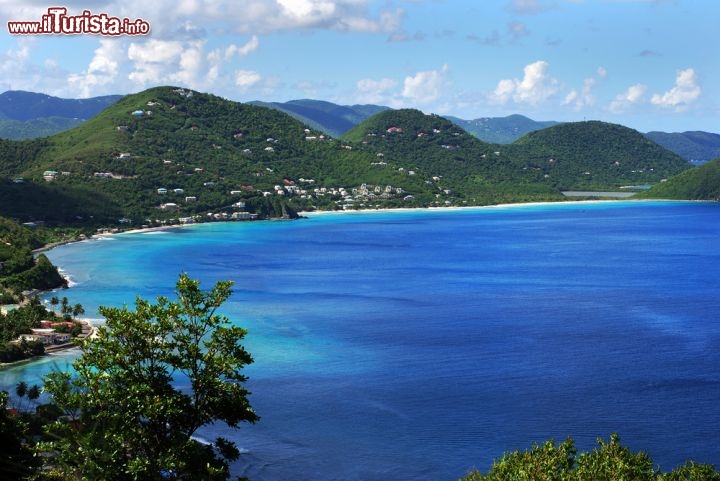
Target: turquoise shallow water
416, 345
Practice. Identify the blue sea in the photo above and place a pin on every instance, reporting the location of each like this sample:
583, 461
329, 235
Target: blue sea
417, 345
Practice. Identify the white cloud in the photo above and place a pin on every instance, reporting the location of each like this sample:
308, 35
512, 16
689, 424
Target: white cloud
586, 96
191, 65
370, 91
153, 60
249, 47
170, 20
685, 91
534, 88
425, 87
101, 72
632, 96
245, 79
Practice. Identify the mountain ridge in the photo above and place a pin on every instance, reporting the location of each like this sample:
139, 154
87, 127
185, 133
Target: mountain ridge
50, 117
170, 152
25, 115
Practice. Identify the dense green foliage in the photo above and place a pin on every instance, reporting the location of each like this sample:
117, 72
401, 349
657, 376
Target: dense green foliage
167, 153
595, 155
17, 460
31, 129
43, 275
609, 461
20, 270
459, 168
699, 183
146, 384
695, 146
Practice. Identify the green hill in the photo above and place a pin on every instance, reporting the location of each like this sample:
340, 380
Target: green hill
694, 146
28, 115
699, 183
171, 152
596, 156
21, 105
456, 161
582, 155
168, 153
31, 129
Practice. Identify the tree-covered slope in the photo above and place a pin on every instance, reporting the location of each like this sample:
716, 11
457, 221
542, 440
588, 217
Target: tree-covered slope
327, 117
455, 160
175, 152
694, 146
170, 152
30, 129
586, 155
19, 269
595, 154
699, 183
22, 105
501, 130
28, 115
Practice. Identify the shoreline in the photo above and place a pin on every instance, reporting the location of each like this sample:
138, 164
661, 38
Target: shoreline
491, 206
307, 214
88, 330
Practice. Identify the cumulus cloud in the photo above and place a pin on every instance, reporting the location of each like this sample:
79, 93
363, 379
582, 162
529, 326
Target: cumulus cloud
244, 79
534, 88
153, 59
101, 72
584, 98
425, 87
686, 91
370, 91
632, 96
180, 19
179, 48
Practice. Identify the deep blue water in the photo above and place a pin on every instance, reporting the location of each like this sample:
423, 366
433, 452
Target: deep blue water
417, 345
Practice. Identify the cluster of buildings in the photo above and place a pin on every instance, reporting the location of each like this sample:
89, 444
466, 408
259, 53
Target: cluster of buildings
49, 334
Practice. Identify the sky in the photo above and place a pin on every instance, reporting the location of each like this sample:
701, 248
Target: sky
647, 64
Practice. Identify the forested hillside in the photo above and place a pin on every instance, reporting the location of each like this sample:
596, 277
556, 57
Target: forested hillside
326, 117
28, 115
170, 153
698, 183
501, 130
694, 146
595, 155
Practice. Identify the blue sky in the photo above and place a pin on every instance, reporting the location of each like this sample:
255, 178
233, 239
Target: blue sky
647, 64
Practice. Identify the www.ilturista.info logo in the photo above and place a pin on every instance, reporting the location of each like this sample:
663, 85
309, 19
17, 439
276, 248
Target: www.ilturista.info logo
58, 22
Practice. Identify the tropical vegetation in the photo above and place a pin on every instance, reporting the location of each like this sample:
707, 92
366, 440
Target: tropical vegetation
121, 414
170, 153
609, 461
699, 183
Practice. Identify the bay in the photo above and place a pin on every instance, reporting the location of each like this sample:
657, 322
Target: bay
416, 345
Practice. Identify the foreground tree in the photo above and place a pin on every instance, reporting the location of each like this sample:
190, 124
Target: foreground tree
144, 386
16, 457
609, 461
